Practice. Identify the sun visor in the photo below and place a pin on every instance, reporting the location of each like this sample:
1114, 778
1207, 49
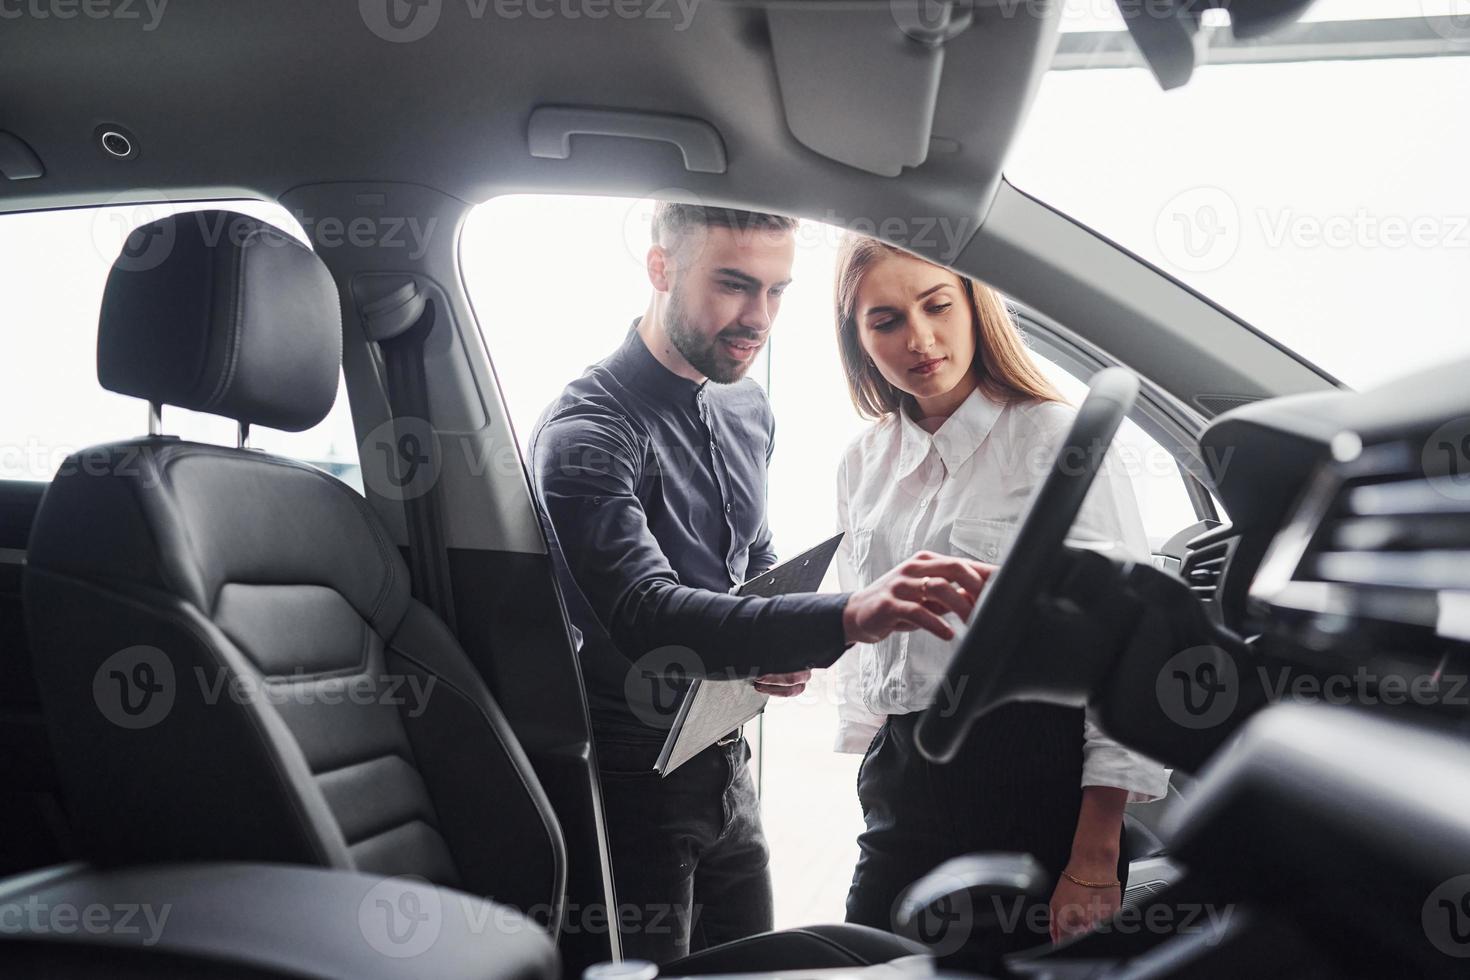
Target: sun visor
885, 57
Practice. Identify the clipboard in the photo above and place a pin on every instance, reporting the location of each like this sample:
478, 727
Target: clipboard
712, 709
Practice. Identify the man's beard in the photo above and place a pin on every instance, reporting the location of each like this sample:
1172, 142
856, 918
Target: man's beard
705, 354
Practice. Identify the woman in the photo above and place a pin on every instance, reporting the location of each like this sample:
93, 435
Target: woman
966, 428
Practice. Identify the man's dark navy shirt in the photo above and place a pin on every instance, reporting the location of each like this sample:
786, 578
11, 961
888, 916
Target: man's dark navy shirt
652, 489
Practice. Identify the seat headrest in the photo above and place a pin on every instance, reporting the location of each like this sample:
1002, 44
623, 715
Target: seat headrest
219, 312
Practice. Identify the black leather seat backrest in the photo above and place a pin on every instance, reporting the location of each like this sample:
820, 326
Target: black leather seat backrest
229, 659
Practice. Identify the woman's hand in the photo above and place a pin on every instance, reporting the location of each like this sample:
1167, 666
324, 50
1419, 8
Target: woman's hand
915, 595
1077, 907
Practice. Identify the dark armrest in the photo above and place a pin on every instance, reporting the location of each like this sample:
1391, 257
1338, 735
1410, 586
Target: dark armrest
259, 920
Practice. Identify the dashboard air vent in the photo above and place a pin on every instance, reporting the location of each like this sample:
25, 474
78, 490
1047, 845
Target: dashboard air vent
1205, 561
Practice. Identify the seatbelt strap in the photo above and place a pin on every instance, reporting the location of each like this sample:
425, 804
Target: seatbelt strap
401, 323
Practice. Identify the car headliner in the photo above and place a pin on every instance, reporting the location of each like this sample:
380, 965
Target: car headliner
229, 99
312, 105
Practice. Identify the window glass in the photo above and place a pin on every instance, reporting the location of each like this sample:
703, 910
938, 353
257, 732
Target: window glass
53, 269
1163, 501
1313, 186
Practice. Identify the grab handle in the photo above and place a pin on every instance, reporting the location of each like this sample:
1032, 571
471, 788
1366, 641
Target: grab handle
551, 129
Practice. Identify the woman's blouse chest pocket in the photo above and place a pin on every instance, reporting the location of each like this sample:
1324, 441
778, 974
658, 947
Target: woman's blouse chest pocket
986, 540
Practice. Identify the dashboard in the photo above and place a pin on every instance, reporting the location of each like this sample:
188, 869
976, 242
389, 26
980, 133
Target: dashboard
1349, 541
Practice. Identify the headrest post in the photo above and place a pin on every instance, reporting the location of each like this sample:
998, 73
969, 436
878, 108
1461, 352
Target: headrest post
242, 440
155, 418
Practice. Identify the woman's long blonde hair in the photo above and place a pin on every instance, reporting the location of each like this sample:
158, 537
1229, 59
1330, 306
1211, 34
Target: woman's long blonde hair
1004, 370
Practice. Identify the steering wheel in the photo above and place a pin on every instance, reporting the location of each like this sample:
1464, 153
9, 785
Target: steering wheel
990, 669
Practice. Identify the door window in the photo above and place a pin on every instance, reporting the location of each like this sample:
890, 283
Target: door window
53, 268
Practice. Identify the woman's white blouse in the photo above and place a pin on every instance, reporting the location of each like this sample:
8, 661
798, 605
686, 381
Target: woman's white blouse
963, 491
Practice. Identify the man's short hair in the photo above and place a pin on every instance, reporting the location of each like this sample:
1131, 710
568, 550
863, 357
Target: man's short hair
673, 220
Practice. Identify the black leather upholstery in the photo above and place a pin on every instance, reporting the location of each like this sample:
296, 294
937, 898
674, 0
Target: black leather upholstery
807, 948
267, 356
315, 712
311, 696
257, 921
229, 659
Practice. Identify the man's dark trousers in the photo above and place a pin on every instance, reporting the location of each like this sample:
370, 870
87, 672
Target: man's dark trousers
689, 857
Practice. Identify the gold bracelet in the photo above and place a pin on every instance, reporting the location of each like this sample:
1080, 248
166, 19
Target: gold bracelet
1090, 884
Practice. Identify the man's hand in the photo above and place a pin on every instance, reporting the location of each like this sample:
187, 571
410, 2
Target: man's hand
915, 595
783, 685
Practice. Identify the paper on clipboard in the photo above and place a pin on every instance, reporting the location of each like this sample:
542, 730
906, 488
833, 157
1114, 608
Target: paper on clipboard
712, 709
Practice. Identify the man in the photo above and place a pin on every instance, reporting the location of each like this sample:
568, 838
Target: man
650, 475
